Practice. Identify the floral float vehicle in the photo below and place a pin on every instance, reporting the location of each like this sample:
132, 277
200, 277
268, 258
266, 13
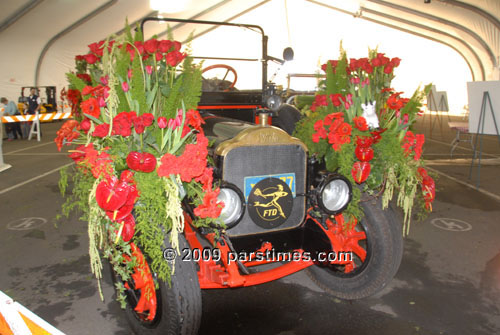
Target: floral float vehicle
183, 191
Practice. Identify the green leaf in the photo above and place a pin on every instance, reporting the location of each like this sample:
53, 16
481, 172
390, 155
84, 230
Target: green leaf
93, 118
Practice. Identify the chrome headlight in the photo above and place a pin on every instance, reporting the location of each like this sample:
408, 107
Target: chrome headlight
234, 205
335, 193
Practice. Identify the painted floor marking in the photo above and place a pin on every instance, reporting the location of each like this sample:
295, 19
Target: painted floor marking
27, 148
34, 178
451, 224
483, 191
26, 223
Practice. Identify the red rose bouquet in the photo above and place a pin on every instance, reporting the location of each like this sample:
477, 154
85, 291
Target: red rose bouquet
141, 151
360, 126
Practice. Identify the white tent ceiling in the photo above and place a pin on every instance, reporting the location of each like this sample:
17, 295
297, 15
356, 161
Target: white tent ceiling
40, 38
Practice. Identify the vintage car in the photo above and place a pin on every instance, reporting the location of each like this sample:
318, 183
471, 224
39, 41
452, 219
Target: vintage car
279, 214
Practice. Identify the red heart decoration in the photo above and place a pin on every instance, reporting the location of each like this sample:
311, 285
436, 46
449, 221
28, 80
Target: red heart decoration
360, 171
128, 228
112, 194
141, 161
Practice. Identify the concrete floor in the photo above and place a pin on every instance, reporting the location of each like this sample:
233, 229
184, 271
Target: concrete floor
448, 282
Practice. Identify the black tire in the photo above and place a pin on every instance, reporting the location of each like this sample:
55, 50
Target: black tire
179, 304
287, 118
384, 253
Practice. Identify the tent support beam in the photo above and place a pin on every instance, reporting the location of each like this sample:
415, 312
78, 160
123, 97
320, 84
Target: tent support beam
67, 30
442, 21
434, 30
19, 14
196, 16
493, 20
383, 23
232, 18
121, 31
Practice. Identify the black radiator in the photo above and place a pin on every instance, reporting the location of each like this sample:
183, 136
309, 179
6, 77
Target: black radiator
279, 174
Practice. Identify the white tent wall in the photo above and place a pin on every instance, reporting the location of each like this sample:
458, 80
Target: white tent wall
23, 41
59, 58
470, 27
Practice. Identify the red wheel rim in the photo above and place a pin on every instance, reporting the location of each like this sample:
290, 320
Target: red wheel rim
352, 241
143, 286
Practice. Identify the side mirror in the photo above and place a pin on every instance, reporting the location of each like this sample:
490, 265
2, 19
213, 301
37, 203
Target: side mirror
288, 54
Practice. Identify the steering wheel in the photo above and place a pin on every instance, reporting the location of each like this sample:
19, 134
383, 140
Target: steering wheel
228, 69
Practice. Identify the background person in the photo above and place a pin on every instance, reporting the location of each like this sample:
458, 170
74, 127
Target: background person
33, 105
12, 128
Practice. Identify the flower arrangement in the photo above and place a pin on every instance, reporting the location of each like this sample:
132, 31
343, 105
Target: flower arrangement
141, 154
358, 125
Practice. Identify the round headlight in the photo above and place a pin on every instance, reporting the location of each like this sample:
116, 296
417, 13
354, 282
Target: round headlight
234, 205
273, 102
335, 193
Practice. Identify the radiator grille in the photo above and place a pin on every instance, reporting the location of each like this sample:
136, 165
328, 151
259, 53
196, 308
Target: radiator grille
250, 161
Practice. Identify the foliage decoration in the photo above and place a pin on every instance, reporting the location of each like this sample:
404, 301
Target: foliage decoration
359, 125
141, 154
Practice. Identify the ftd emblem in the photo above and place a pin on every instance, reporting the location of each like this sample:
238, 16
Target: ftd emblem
270, 202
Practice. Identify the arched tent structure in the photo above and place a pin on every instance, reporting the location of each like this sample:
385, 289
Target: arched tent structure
40, 38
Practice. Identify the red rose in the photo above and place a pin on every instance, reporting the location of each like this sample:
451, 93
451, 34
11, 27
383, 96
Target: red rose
177, 46
131, 50
85, 77
174, 58
122, 123
91, 107
164, 46
388, 69
140, 46
376, 62
97, 48
101, 130
148, 119
395, 62
85, 125
336, 99
141, 161
151, 45
90, 58
139, 125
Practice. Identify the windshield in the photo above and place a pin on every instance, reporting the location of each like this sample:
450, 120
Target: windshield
231, 56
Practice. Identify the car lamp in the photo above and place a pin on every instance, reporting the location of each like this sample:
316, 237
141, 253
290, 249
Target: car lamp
234, 205
334, 193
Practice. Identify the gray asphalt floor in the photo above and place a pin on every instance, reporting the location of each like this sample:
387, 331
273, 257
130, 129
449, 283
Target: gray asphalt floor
448, 282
